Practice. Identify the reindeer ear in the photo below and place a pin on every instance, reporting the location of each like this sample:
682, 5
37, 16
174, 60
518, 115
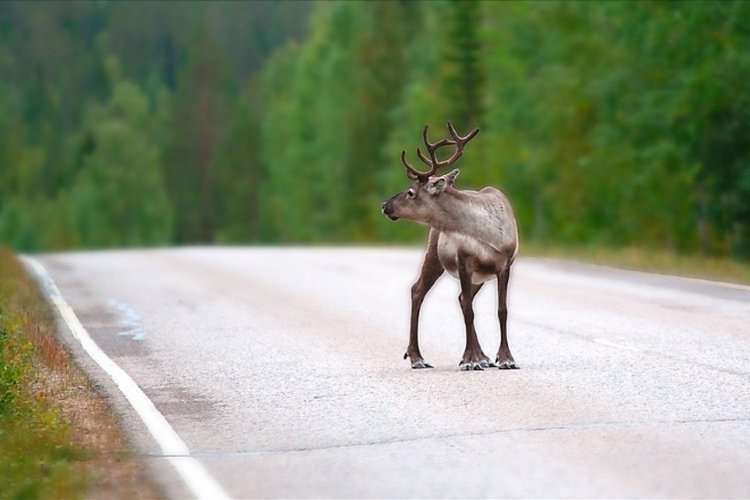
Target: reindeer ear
451, 176
437, 185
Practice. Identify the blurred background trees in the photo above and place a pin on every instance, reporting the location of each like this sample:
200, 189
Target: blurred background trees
607, 123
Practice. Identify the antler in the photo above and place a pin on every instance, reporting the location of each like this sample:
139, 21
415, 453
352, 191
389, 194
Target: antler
433, 161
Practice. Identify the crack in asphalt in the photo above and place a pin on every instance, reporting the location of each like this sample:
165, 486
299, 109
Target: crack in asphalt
518, 430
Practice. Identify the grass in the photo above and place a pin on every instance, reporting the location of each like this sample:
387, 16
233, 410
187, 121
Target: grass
58, 437
36, 456
654, 261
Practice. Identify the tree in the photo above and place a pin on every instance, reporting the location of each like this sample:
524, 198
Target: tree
118, 197
379, 59
463, 53
198, 127
306, 92
240, 176
51, 89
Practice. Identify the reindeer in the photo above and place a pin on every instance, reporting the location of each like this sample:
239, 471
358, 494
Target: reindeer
473, 235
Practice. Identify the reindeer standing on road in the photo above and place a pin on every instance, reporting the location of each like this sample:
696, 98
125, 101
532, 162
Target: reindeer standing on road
473, 236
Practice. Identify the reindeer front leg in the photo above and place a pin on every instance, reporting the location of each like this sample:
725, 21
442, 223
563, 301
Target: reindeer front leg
431, 271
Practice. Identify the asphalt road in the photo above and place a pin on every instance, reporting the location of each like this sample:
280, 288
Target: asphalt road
282, 371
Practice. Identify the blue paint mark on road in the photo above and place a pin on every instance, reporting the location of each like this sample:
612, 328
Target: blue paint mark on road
131, 320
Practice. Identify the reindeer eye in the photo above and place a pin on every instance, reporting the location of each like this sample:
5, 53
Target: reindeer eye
411, 193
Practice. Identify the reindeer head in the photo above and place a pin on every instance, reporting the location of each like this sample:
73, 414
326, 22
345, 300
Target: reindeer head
420, 203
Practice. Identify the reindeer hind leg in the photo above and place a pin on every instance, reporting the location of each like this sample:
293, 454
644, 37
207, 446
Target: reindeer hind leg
504, 359
473, 358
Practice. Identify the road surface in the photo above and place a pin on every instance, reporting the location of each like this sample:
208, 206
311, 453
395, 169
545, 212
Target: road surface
282, 372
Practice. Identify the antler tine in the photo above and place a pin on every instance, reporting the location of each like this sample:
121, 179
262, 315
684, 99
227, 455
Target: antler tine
414, 174
460, 142
432, 147
424, 159
411, 172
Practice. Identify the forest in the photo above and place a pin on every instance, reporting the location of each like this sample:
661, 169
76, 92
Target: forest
131, 124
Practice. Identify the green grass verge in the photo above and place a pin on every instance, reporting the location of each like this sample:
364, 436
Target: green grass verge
654, 261
36, 457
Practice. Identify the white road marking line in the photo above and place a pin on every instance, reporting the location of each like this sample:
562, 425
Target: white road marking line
197, 478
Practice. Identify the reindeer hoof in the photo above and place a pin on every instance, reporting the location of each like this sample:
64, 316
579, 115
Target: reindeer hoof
466, 366
418, 365
507, 365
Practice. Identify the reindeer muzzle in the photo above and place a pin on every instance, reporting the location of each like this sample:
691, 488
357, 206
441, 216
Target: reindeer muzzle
387, 210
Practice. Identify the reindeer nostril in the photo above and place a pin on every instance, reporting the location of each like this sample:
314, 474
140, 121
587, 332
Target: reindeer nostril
387, 210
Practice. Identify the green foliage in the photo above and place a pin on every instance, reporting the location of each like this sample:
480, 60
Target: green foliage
239, 175
200, 111
36, 459
607, 123
600, 119
308, 164
462, 53
118, 197
119, 122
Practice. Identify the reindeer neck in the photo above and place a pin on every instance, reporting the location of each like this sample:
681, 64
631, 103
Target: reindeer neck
457, 210
484, 215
